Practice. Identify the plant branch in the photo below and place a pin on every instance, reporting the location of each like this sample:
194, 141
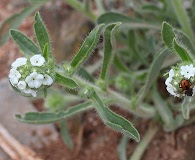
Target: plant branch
115, 97
141, 147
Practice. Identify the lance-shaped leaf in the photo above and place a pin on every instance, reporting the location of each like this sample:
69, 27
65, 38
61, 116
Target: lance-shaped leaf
153, 72
41, 33
87, 47
65, 81
26, 45
112, 17
109, 44
181, 51
113, 120
15, 20
168, 35
49, 117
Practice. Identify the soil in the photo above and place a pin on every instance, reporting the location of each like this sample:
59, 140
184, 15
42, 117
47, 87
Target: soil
92, 139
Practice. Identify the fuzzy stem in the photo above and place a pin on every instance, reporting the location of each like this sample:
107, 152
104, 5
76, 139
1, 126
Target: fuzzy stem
178, 7
78, 6
113, 96
141, 147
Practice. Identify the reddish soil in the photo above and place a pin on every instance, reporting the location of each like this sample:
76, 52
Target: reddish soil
92, 139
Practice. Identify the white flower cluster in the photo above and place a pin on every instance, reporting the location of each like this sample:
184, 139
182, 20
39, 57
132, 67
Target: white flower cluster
176, 75
30, 75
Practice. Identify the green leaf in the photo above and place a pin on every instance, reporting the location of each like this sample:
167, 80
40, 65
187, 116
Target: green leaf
49, 117
41, 33
153, 72
26, 45
109, 44
85, 75
65, 81
87, 47
168, 35
14, 21
46, 54
185, 107
185, 39
65, 134
114, 120
181, 51
112, 17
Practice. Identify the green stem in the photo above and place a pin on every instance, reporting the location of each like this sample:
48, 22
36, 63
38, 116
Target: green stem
81, 8
114, 97
178, 7
100, 6
141, 147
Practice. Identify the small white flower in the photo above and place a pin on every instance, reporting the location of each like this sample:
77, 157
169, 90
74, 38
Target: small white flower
37, 60
187, 71
171, 73
21, 85
14, 76
169, 79
19, 62
172, 90
34, 80
30, 91
47, 80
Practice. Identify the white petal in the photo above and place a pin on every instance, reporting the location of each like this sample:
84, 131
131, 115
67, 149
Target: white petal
33, 93
13, 81
27, 91
30, 91
28, 79
14, 73
37, 60
31, 84
19, 62
21, 85
168, 80
39, 76
171, 73
37, 83
47, 80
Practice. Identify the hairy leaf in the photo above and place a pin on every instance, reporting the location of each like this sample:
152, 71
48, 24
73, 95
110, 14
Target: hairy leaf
26, 45
49, 117
153, 72
41, 33
181, 51
109, 43
87, 47
168, 35
113, 120
65, 81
